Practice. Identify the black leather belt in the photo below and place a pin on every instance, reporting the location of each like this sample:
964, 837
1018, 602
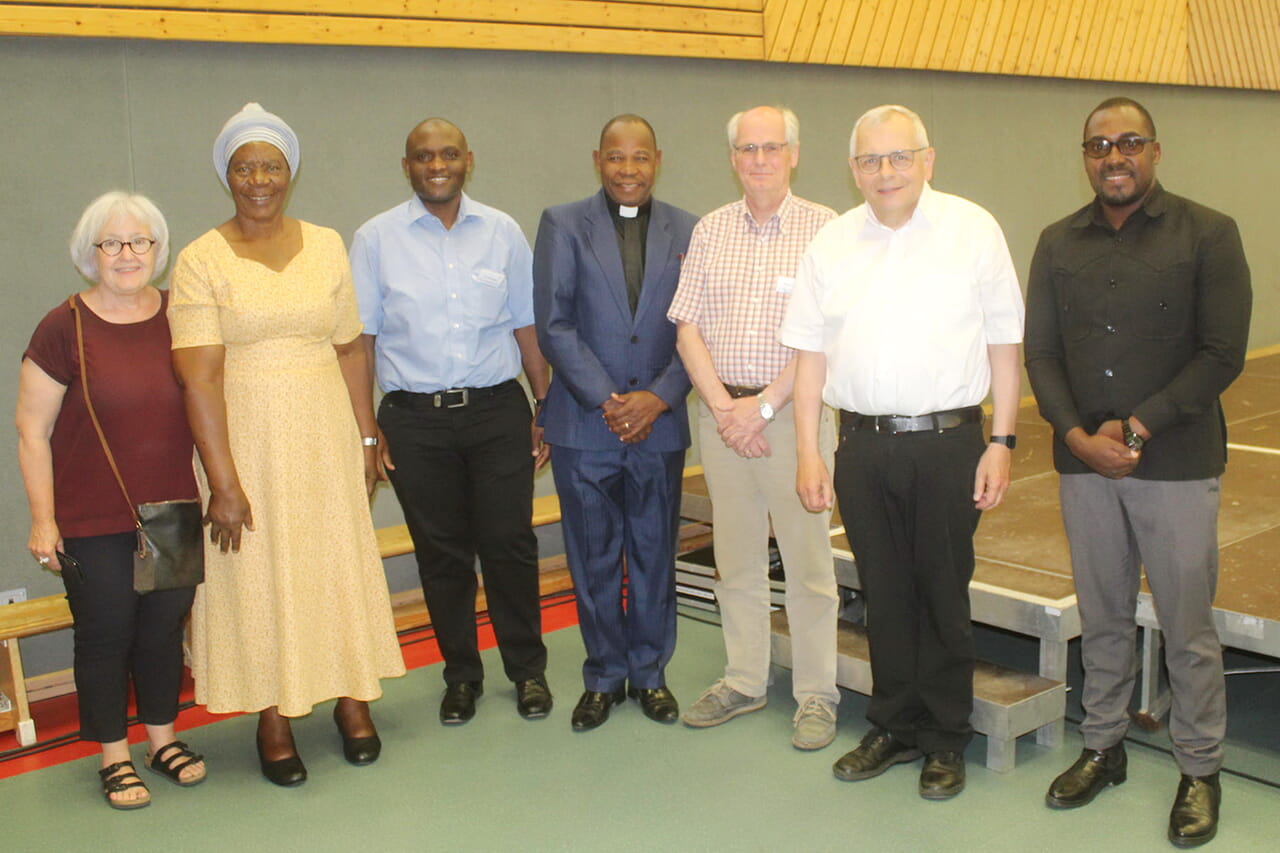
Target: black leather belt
897, 424
736, 391
452, 398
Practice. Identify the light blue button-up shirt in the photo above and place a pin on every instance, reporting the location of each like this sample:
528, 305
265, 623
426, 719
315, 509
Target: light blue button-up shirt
443, 303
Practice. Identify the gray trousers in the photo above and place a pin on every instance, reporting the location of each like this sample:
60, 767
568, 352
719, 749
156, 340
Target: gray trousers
1170, 528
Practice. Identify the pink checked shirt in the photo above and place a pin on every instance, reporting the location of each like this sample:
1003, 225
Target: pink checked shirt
735, 282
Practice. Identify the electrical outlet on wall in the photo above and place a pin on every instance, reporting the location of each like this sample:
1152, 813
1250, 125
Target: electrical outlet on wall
12, 596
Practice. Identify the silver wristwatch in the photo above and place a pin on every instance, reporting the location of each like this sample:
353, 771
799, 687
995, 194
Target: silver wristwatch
766, 411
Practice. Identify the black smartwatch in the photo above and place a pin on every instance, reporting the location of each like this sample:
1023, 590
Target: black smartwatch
1009, 441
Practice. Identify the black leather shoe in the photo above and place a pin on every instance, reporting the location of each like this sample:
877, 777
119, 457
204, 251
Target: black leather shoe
533, 698
459, 702
1094, 770
942, 776
358, 750
878, 752
285, 772
1194, 818
593, 709
657, 702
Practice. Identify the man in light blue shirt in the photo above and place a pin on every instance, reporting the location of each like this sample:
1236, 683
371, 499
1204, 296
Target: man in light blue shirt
446, 297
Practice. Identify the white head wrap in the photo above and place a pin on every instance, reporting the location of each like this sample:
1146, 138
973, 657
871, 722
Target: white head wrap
254, 124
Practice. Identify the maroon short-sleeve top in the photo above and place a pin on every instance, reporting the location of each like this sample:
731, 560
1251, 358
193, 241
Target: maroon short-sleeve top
140, 406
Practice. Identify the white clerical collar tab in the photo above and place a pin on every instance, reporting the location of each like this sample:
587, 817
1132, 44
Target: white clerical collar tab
628, 212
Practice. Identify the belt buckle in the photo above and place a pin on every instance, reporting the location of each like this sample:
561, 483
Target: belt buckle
440, 399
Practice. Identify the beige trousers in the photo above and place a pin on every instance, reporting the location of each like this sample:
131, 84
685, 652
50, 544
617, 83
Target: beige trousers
746, 494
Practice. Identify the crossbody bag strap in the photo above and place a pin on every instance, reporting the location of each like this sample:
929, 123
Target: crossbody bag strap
93, 416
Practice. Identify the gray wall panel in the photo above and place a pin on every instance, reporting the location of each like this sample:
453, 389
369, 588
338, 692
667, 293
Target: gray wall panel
85, 116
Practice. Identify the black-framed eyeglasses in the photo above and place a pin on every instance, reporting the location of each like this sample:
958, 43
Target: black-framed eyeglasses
869, 164
768, 148
139, 245
1099, 146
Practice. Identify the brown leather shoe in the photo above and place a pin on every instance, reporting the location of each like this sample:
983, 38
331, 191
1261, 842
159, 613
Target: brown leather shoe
878, 752
1194, 818
942, 776
1094, 770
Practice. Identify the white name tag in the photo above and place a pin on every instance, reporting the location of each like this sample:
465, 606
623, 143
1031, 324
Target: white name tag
493, 278
785, 284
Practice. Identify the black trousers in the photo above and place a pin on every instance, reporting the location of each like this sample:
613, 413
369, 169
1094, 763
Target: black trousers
907, 504
464, 477
119, 634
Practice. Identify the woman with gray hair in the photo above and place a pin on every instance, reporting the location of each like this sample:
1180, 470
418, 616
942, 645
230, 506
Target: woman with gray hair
81, 525
266, 336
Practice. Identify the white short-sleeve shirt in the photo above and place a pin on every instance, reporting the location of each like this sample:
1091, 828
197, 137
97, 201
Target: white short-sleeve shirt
905, 316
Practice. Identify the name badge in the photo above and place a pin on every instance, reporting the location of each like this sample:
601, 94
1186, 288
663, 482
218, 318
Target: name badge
493, 278
785, 284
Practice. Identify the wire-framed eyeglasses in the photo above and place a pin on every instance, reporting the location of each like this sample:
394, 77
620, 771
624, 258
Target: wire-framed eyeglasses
869, 164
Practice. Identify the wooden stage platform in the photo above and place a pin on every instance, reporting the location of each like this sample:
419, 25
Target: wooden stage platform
1022, 579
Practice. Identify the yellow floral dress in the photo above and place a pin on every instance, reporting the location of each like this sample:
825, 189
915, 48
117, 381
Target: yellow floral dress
301, 614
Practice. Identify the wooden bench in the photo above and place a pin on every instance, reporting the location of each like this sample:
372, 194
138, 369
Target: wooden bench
1006, 703
18, 620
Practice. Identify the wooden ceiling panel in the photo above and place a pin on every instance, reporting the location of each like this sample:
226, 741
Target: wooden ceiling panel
1232, 43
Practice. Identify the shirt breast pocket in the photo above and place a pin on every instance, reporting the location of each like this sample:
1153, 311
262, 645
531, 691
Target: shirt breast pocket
1163, 306
489, 293
1082, 294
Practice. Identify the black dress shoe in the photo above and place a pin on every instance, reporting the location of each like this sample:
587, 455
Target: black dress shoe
358, 750
878, 752
533, 697
459, 702
1094, 770
657, 702
1194, 818
285, 772
593, 709
942, 776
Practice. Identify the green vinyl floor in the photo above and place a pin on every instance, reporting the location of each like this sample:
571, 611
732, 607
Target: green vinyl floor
501, 783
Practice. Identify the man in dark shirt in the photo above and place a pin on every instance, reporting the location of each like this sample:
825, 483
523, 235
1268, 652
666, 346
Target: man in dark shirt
1137, 320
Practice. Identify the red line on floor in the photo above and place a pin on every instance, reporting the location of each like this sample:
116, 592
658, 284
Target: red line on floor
59, 717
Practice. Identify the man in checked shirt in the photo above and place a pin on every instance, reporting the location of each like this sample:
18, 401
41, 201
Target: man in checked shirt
734, 287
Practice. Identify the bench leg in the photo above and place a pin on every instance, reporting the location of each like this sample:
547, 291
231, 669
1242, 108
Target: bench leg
1001, 753
1053, 664
13, 682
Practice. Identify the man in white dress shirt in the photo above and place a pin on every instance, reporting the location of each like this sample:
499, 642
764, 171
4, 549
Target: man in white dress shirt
906, 312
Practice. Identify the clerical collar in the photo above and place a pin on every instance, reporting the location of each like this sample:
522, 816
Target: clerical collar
622, 211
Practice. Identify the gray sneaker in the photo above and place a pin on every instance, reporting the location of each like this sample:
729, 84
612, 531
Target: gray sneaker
720, 704
815, 724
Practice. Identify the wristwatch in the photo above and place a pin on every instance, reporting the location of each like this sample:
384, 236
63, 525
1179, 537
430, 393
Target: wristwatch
766, 411
1009, 441
369, 441
1131, 439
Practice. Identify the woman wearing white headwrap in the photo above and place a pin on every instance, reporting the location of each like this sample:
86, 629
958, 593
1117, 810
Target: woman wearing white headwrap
294, 610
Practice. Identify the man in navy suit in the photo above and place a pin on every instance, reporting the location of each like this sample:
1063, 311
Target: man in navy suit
605, 269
